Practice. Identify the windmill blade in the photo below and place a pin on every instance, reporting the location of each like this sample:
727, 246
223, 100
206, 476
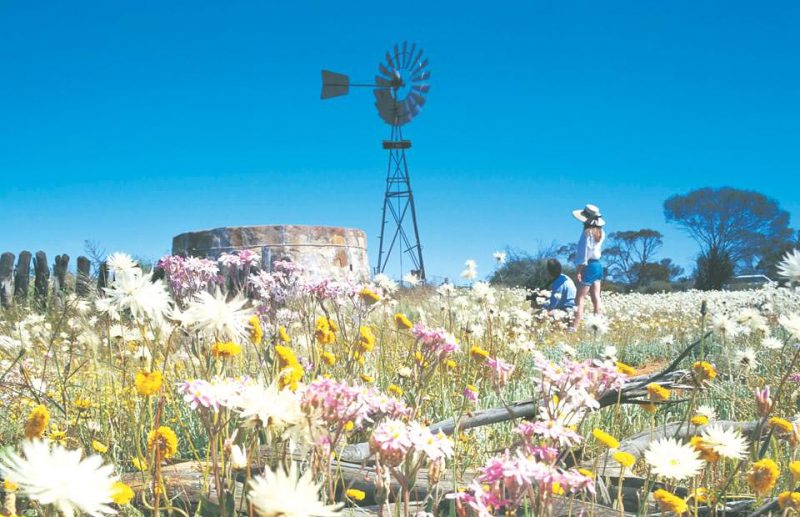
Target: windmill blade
334, 84
382, 83
421, 88
417, 98
410, 54
423, 64
405, 54
416, 60
388, 74
389, 60
397, 55
424, 76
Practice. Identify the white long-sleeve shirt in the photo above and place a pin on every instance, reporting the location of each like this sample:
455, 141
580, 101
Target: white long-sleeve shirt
588, 248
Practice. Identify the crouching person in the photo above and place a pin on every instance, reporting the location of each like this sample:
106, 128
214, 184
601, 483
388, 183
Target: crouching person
562, 289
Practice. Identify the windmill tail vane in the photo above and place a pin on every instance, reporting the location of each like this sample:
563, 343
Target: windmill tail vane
400, 89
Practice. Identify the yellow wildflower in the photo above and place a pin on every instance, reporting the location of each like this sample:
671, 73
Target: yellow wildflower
781, 425
99, 447
290, 370
556, 488
402, 322
451, 364
369, 296
325, 333
148, 383
605, 438
789, 500
10, 486
703, 371
329, 358
283, 335
164, 440
706, 453
37, 422
762, 476
256, 330
82, 404
369, 379
625, 369
794, 468
355, 494
366, 339
586, 472
669, 502
140, 464
395, 390
657, 392
625, 459
121, 493
699, 420
225, 350
700, 495
478, 353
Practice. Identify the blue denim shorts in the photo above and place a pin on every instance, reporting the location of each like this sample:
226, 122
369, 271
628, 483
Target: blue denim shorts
592, 273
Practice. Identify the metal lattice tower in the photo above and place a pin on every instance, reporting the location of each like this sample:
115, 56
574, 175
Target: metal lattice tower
400, 88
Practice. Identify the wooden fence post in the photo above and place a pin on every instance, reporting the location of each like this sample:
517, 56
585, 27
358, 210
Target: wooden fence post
6, 279
60, 273
102, 277
22, 276
41, 280
82, 280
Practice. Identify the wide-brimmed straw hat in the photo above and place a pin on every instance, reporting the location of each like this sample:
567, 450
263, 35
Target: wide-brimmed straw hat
590, 214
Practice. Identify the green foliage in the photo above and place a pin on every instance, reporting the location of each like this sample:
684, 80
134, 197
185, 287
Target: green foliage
714, 270
743, 225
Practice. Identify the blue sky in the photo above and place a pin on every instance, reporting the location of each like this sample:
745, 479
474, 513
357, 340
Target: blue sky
130, 122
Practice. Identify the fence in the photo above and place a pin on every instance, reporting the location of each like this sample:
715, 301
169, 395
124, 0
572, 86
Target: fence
15, 280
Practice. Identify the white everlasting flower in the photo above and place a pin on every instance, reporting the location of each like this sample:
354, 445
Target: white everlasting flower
745, 358
53, 475
138, 295
238, 457
269, 407
597, 323
728, 443
411, 279
213, 315
790, 266
791, 324
706, 411
610, 352
724, 325
280, 494
499, 257
673, 460
772, 343
385, 283
435, 446
121, 263
470, 270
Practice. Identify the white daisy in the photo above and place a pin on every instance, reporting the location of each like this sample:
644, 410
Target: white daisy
706, 411
411, 279
791, 324
673, 460
745, 358
121, 263
281, 494
269, 407
212, 314
728, 443
772, 343
470, 270
136, 294
53, 475
790, 266
499, 257
596, 323
386, 284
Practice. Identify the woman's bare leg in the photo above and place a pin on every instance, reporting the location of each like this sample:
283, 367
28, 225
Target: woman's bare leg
595, 294
580, 299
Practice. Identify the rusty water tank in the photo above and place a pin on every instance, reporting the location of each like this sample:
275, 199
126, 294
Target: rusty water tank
321, 250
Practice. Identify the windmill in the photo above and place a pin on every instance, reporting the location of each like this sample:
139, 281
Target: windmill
400, 89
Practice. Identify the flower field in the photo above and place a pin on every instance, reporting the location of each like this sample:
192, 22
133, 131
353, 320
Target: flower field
218, 388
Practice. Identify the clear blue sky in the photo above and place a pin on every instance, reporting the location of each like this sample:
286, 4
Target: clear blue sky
130, 122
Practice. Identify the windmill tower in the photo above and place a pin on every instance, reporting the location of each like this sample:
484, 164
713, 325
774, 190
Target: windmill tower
400, 89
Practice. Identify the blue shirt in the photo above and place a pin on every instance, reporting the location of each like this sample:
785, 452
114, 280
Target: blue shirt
562, 293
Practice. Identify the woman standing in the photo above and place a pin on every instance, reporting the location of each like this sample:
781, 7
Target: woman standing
587, 260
